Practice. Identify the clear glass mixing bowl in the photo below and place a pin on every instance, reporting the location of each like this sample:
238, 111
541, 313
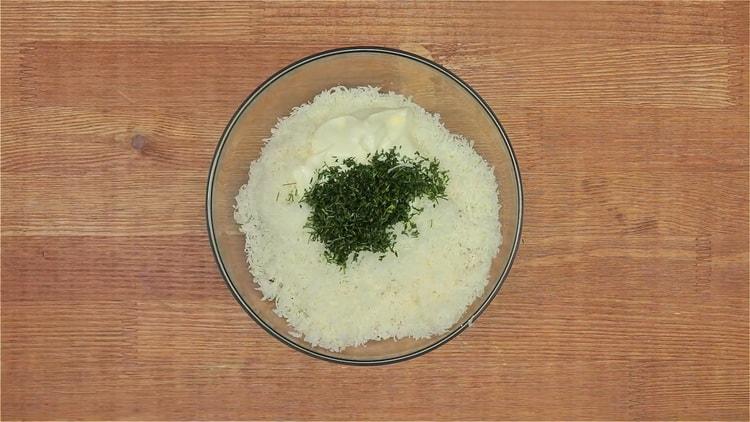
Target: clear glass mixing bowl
428, 84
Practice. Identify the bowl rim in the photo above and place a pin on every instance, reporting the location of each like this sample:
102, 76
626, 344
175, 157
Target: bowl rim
214, 165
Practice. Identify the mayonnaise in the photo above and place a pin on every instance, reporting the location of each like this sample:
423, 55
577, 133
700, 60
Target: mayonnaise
350, 136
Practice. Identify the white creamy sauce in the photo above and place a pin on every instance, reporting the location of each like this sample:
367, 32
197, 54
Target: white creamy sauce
356, 137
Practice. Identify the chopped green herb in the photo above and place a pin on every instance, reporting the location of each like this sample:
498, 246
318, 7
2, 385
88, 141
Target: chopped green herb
292, 195
356, 206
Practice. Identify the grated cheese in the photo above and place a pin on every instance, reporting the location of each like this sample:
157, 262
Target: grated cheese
422, 292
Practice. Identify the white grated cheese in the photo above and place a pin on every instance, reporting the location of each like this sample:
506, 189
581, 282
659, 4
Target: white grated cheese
420, 293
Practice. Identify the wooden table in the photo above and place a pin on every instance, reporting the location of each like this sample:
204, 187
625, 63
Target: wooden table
629, 297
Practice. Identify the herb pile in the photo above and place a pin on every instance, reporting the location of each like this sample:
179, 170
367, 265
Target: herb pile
357, 206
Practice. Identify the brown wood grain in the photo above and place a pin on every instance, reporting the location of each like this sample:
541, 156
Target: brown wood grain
629, 297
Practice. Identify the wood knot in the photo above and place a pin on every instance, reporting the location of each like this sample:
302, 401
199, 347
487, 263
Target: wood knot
138, 142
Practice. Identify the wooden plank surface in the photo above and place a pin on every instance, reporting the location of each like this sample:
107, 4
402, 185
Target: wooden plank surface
629, 297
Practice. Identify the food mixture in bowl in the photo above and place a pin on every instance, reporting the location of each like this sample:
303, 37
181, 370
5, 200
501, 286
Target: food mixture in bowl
366, 219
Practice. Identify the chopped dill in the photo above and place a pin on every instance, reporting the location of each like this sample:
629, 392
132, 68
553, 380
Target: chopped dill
292, 195
356, 206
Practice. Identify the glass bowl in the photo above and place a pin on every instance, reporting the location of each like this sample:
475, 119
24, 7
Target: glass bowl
429, 85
